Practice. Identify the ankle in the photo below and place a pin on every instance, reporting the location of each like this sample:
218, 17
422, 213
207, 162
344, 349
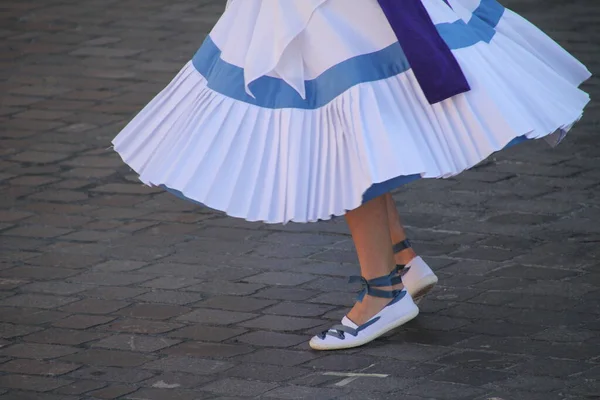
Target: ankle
366, 309
405, 256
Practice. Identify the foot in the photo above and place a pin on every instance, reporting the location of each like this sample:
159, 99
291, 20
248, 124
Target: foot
418, 277
366, 309
377, 311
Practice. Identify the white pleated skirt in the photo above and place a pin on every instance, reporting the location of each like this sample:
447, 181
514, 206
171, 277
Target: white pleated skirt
300, 110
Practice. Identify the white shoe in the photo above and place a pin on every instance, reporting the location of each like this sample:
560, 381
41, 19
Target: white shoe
399, 311
418, 279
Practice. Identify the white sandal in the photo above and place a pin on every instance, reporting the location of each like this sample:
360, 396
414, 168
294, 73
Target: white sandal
418, 278
399, 311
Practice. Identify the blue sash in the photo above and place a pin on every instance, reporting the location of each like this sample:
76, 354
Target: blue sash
430, 58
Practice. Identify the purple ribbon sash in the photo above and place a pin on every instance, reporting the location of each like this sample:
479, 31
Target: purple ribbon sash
430, 58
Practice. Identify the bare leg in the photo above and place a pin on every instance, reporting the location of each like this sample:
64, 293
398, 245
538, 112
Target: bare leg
392, 305
371, 234
396, 231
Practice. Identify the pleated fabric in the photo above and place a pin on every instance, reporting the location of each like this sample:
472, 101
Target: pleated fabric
302, 127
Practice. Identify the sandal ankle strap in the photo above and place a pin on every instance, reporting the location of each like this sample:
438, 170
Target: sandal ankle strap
369, 286
403, 245
398, 273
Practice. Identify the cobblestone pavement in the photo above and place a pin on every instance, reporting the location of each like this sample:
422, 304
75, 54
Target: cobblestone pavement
109, 290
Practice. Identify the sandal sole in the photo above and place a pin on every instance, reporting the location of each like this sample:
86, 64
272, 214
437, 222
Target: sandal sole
426, 285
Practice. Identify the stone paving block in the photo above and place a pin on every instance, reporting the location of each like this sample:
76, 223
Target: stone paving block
160, 394
54, 288
271, 339
113, 391
407, 351
481, 359
33, 180
37, 301
317, 379
260, 371
444, 390
95, 306
380, 386
564, 334
173, 380
108, 358
62, 196
281, 278
37, 231
543, 318
35, 367
13, 215
531, 272
226, 288
79, 387
206, 333
286, 251
9, 284
235, 303
483, 311
191, 365
216, 317
110, 278
93, 236
404, 369
558, 288
520, 395
298, 309
8, 331
154, 311
345, 299
473, 376
145, 344
113, 292
329, 284
29, 316
586, 387
12, 243
520, 300
291, 294
112, 374
67, 337
143, 326
39, 157
41, 273
208, 350
526, 346
28, 395
281, 323
328, 269
29, 382
93, 162
171, 282
37, 351
118, 266
542, 366
263, 263
239, 387
80, 321
169, 297
303, 392
341, 363
531, 383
